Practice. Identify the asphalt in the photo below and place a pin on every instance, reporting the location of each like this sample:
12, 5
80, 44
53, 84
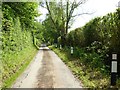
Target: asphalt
47, 70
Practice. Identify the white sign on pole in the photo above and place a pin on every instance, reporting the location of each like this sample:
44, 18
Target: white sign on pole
114, 66
71, 50
114, 56
60, 47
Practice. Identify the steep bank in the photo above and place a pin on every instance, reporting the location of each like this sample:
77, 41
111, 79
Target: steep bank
18, 47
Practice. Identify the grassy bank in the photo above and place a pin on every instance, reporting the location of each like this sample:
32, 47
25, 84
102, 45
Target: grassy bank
14, 69
92, 77
19, 39
19, 62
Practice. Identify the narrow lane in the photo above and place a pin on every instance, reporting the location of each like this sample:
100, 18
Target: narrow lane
47, 71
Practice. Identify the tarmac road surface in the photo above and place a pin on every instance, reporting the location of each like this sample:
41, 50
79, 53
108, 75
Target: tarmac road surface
47, 71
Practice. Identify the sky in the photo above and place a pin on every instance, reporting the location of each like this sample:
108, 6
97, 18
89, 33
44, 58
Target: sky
96, 7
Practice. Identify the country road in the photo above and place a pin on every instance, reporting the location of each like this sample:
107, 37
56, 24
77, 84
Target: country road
47, 71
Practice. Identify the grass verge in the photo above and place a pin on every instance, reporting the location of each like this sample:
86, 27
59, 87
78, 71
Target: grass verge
27, 56
89, 76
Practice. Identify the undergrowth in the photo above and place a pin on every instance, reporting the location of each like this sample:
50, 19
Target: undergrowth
90, 74
12, 70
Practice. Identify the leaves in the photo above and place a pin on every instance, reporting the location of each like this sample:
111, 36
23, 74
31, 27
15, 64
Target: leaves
17, 40
26, 11
100, 38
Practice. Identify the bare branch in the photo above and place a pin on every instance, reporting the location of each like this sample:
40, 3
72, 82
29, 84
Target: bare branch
82, 14
82, 2
73, 7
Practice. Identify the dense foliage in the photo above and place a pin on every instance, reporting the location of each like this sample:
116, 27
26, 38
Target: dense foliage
26, 12
93, 45
20, 35
99, 38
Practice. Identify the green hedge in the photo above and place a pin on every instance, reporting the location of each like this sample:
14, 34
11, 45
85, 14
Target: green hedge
100, 35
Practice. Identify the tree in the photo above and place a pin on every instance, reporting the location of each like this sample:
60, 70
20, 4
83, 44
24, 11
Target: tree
66, 11
61, 14
50, 33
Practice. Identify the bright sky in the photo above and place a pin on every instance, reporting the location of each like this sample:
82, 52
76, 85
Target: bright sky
99, 7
